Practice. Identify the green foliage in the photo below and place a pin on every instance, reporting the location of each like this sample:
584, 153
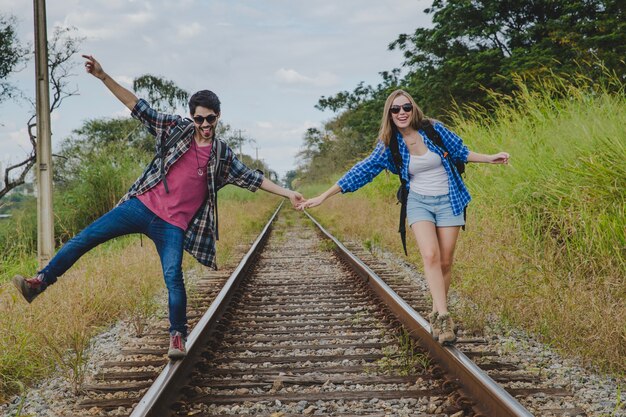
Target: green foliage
475, 46
574, 194
100, 132
97, 184
14, 200
18, 240
290, 176
163, 94
12, 55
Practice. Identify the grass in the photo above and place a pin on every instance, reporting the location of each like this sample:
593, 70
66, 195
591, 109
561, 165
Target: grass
404, 358
116, 280
545, 243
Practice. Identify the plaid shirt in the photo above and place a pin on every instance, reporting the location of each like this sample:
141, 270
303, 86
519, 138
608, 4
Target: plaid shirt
365, 171
201, 234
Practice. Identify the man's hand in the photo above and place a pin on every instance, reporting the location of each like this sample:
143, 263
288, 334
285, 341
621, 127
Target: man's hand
124, 95
94, 68
296, 199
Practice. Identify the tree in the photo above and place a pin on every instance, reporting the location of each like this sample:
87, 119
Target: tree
94, 136
12, 56
478, 45
61, 50
289, 179
163, 94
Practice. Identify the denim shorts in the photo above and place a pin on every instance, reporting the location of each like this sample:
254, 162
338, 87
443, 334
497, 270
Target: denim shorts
435, 209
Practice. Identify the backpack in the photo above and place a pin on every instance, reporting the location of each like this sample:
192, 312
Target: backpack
403, 193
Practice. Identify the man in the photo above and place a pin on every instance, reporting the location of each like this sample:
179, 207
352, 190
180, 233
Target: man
173, 202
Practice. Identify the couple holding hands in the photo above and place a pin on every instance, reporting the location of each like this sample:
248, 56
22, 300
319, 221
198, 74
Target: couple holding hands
174, 201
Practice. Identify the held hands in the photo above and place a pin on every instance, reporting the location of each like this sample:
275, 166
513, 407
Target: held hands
499, 158
94, 68
312, 202
296, 199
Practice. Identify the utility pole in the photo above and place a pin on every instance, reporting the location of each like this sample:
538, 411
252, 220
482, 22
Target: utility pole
240, 140
257, 160
45, 219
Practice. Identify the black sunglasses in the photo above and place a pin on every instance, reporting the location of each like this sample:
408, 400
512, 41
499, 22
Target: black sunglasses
407, 107
211, 118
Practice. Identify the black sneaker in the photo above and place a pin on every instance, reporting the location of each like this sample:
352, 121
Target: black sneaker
177, 346
30, 288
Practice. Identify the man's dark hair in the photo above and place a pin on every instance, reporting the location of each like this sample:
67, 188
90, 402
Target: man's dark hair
204, 98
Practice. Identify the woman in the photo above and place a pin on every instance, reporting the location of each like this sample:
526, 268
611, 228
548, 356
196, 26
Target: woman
437, 195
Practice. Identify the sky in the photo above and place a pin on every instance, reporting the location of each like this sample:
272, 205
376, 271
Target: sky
268, 61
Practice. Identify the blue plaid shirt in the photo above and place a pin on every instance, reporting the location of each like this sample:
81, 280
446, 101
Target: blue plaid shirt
201, 233
365, 171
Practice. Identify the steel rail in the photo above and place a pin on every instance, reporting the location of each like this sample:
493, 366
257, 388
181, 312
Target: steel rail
156, 399
492, 399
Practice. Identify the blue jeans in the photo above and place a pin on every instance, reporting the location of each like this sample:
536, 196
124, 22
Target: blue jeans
132, 216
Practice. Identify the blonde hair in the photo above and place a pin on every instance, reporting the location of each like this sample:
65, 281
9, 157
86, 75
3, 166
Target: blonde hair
387, 126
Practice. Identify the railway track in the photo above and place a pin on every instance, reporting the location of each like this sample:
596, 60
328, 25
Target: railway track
303, 327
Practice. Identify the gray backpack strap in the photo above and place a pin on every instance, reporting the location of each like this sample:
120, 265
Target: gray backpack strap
220, 154
176, 133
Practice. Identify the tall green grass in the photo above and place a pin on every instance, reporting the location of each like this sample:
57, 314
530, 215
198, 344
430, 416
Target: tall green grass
545, 243
567, 179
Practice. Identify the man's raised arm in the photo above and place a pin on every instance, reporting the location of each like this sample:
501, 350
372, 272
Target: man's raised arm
125, 96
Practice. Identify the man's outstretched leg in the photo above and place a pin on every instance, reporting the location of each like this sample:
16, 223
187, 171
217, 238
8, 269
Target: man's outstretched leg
129, 217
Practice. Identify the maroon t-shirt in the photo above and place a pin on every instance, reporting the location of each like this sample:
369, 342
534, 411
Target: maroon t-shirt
186, 180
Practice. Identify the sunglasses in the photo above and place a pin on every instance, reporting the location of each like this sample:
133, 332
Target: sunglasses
407, 107
211, 118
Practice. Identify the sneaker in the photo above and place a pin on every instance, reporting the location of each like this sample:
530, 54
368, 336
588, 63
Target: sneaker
177, 346
446, 333
434, 324
30, 288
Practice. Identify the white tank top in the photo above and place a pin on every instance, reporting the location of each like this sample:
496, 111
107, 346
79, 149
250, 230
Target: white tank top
427, 174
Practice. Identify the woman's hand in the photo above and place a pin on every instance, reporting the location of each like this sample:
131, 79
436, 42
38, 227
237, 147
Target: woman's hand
94, 68
499, 158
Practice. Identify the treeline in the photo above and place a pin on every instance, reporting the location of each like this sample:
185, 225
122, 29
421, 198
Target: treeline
472, 55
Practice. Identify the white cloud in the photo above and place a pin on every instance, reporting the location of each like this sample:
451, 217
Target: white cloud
190, 31
265, 125
106, 25
14, 145
124, 79
291, 76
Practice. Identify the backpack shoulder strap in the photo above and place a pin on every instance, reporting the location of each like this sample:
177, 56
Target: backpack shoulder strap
433, 135
402, 193
394, 148
220, 154
180, 130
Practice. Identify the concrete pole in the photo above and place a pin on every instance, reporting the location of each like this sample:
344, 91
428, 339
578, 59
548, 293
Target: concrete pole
45, 219
240, 144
